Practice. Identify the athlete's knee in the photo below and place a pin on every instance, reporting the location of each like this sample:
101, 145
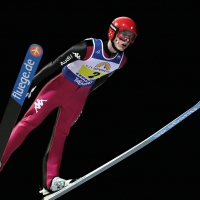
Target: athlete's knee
31, 120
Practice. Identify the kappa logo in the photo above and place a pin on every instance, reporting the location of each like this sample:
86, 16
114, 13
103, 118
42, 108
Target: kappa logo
35, 51
98, 52
77, 55
39, 104
105, 65
119, 57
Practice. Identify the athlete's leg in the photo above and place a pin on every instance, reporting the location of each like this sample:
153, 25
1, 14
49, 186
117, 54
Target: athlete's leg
48, 99
67, 115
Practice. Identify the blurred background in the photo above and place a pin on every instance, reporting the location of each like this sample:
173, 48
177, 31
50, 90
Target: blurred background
159, 82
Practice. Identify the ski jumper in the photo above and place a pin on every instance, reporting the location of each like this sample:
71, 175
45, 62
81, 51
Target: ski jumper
68, 92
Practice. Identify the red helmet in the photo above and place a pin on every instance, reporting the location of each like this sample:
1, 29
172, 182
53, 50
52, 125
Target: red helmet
122, 24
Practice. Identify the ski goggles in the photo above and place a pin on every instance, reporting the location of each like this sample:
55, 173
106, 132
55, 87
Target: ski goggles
125, 35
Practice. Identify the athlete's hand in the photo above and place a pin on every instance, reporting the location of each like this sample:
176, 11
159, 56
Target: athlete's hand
28, 95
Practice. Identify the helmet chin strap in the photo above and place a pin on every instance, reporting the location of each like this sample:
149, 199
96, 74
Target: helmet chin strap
114, 47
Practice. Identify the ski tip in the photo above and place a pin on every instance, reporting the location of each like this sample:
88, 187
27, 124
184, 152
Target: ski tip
198, 105
36, 50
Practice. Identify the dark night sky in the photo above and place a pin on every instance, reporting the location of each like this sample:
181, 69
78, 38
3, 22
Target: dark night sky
159, 82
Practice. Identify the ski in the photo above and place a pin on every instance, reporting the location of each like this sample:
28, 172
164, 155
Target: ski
18, 95
123, 155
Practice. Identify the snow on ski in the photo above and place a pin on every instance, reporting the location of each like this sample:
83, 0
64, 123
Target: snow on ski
18, 95
123, 155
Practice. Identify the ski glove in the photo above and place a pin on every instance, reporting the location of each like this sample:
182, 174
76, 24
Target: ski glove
28, 95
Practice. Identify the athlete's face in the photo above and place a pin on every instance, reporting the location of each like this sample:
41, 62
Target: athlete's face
122, 40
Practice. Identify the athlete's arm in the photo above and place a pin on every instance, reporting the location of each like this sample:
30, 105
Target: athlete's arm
76, 52
100, 81
103, 79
